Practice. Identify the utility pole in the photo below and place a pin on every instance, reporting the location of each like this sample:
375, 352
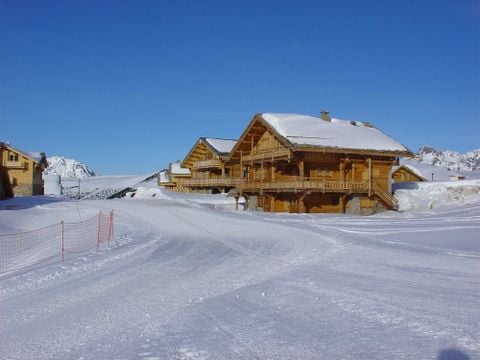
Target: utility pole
79, 188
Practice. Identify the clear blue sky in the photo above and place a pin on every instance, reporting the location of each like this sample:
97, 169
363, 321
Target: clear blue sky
128, 86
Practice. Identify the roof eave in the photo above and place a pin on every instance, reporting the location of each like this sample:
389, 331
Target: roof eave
43, 160
333, 149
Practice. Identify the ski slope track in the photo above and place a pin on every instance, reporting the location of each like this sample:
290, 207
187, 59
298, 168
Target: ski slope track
184, 280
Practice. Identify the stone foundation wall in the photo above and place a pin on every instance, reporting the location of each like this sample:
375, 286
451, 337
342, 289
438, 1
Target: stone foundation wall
23, 189
355, 206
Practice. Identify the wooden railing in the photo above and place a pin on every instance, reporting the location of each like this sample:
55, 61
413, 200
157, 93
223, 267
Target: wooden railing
267, 154
297, 183
220, 182
15, 164
203, 164
385, 196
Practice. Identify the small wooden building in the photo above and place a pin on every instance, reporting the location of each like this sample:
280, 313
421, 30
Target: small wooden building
174, 178
207, 164
405, 173
299, 163
21, 172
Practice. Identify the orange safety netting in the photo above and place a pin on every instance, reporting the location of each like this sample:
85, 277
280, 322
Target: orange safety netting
25, 249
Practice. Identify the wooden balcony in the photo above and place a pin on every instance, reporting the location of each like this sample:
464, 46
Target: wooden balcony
299, 184
207, 164
216, 182
15, 164
267, 155
296, 184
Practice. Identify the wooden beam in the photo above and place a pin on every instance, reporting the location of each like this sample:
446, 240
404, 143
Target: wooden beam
369, 177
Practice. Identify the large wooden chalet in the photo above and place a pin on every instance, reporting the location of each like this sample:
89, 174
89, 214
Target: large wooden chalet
207, 164
299, 163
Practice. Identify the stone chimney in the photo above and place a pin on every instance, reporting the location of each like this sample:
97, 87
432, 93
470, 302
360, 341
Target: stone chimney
325, 115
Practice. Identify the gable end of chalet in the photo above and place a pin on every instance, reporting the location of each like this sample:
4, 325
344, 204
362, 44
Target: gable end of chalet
257, 132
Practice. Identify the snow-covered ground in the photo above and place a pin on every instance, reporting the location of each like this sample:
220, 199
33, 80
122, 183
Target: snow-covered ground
189, 278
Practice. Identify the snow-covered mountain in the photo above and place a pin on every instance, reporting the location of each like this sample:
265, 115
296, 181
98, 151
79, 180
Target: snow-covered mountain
65, 167
452, 160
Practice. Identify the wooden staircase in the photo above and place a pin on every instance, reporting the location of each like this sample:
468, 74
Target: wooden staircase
386, 197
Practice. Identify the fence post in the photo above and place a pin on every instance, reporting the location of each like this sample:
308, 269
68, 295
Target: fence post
110, 229
63, 241
99, 227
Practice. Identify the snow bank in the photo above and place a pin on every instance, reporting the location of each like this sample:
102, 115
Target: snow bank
427, 195
217, 201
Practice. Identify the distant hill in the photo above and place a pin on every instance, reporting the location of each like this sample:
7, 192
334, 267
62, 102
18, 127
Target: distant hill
452, 160
68, 168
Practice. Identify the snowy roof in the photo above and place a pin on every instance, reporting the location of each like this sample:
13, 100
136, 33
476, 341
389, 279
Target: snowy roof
344, 134
219, 147
223, 146
175, 168
163, 177
35, 156
413, 169
426, 170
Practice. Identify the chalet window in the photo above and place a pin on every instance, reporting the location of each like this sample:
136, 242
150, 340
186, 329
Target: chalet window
13, 157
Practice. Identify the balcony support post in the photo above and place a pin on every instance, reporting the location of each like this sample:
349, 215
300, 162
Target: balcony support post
301, 170
369, 176
342, 167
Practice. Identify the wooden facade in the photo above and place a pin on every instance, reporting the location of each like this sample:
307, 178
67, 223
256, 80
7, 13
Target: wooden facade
405, 174
277, 175
207, 164
176, 176
21, 173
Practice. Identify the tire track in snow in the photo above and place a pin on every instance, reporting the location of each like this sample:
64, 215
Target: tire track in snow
335, 245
